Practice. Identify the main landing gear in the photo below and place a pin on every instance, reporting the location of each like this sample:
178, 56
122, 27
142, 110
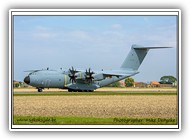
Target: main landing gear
72, 90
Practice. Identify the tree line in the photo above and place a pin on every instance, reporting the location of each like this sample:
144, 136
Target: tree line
129, 82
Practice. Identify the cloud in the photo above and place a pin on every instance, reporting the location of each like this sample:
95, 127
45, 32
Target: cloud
79, 35
116, 26
43, 32
42, 28
45, 35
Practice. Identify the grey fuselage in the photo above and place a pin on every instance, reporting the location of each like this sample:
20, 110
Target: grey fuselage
59, 79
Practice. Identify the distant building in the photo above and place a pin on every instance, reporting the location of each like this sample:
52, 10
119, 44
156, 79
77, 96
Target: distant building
166, 85
17, 84
154, 84
174, 84
139, 85
122, 83
157, 84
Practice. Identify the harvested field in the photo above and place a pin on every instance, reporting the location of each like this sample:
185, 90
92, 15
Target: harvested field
138, 106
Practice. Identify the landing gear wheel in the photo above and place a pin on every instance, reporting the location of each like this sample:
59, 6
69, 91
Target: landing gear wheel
39, 89
70, 90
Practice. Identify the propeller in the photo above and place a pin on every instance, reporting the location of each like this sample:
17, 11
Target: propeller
72, 75
89, 76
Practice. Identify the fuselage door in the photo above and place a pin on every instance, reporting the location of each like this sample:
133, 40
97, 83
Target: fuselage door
47, 83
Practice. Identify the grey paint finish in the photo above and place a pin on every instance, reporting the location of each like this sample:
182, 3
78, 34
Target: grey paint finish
62, 79
135, 57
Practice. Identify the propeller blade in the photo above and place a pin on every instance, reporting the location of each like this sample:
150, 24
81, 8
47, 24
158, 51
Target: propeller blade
89, 76
72, 75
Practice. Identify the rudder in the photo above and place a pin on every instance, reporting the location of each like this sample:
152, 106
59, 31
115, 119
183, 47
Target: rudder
134, 58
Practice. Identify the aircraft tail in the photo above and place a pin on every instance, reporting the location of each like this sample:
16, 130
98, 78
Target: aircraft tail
136, 56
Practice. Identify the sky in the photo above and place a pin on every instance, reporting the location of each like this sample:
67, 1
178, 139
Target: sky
98, 42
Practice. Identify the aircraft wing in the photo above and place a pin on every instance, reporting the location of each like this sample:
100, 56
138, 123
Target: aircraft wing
112, 72
118, 74
87, 76
100, 75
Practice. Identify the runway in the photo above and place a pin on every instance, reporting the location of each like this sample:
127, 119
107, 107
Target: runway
102, 89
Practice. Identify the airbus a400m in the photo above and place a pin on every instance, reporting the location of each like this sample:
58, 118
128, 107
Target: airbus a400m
87, 80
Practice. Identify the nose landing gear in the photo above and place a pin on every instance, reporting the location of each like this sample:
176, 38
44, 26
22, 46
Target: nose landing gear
40, 89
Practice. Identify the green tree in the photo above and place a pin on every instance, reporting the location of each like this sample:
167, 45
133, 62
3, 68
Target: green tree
129, 82
116, 84
17, 85
167, 79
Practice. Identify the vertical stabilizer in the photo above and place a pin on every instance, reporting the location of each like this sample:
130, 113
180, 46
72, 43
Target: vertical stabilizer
136, 57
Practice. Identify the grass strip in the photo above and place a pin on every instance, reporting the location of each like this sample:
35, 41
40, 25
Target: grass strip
46, 120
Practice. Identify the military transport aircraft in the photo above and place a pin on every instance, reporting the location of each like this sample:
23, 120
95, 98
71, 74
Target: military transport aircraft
87, 80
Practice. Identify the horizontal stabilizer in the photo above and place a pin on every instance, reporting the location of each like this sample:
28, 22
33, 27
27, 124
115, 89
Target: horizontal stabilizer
142, 48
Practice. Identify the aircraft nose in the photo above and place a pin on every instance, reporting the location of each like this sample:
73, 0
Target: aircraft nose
27, 79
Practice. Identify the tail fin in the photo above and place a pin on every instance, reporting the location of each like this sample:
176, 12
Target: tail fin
136, 56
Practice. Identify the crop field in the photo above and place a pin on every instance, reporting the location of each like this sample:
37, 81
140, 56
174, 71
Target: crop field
95, 108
